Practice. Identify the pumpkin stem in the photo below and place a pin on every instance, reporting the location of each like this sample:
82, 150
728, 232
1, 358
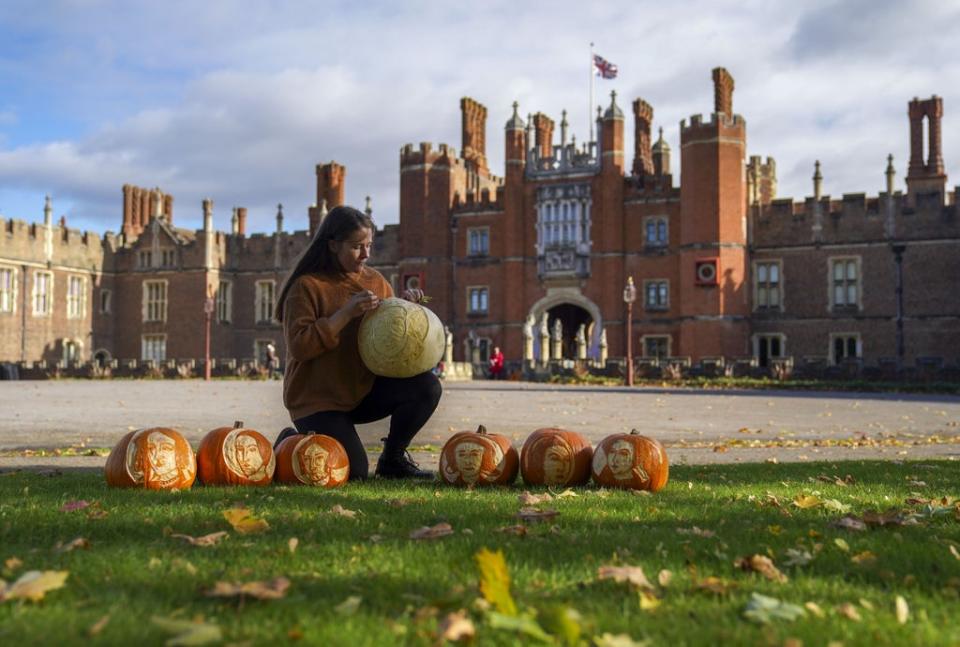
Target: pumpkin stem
481, 429
634, 432
238, 424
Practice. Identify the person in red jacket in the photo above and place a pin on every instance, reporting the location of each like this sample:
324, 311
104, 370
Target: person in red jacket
496, 364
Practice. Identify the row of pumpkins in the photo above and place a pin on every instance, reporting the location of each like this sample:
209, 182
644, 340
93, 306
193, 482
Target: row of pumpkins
161, 458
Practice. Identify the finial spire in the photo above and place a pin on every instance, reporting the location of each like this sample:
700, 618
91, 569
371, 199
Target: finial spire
368, 209
890, 173
817, 180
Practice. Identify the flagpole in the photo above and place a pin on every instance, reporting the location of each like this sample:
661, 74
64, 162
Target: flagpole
590, 112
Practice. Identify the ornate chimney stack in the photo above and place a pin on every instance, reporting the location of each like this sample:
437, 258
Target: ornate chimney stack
926, 176
642, 153
474, 132
242, 221
722, 91
543, 127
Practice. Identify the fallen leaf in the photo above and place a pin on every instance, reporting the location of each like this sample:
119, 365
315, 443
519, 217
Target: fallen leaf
632, 574
495, 580
835, 506
520, 624
519, 530
697, 532
205, 540
841, 543
866, 604
798, 557
527, 499
864, 558
664, 577
292, 544
79, 542
98, 626
763, 565
814, 608
536, 514
349, 606
272, 590
648, 601
399, 503
715, 585
849, 523
34, 585
954, 552
891, 517
244, 522
185, 565
618, 640
432, 532
339, 510
567, 493
849, 611
73, 506
456, 626
763, 609
187, 632
902, 610
13, 563
806, 501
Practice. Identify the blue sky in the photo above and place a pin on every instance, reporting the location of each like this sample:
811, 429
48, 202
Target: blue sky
238, 101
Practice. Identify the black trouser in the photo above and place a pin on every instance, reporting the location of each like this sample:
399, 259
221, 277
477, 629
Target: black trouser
410, 401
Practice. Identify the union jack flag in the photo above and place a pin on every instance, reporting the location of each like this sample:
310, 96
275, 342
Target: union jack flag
604, 68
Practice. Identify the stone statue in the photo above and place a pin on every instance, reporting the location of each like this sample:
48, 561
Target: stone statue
557, 352
528, 337
447, 348
544, 339
603, 346
582, 342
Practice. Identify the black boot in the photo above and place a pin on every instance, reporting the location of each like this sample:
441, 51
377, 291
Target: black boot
286, 433
400, 466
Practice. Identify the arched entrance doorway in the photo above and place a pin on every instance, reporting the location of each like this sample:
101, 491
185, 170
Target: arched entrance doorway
101, 357
571, 317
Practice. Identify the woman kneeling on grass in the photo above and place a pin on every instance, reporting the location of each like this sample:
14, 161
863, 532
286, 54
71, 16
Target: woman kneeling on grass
326, 386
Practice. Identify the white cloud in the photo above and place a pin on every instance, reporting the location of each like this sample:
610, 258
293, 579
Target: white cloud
241, 100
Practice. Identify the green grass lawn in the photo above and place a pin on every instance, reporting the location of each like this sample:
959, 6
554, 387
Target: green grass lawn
364, 581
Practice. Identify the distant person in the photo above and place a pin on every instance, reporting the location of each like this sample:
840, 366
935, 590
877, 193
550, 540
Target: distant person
326, 386
496, 364
273, 362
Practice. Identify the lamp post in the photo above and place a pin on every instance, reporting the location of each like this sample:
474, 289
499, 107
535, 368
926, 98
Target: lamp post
207, 314
629, 296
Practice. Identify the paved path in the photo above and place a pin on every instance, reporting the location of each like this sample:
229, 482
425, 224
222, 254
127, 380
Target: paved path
67, 413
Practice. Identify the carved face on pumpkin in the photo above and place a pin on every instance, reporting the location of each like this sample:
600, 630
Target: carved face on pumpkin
313, 461
557, 458
469, 457
620, 460
243, 457
161, 460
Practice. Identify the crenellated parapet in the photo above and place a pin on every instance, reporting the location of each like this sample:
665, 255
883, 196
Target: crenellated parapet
697, 128
472, 202
425, 156
56, 244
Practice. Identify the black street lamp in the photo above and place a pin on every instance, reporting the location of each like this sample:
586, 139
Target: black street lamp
629, 296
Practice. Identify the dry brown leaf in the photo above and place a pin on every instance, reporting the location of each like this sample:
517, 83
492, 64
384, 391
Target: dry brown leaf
715, 585
528, 499
399, 503
632, 574
664, 577
34, 585
954, 551
864, 558
536, 514
815, 609
902, 610
340, 511
806, 501
13, 563
456, 626
697, 532
432, 532
205, 540
74, 544
567, 493
292, 544
519, 530
244, 522
272, 590
891, 517
848, 610
763, 565
98, 626
849, 523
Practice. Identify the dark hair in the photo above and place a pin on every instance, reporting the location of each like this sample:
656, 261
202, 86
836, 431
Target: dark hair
338, 225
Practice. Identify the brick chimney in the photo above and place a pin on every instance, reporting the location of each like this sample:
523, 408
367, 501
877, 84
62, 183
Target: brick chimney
474, 132
642, 153
242, 221
722, 91
543, 129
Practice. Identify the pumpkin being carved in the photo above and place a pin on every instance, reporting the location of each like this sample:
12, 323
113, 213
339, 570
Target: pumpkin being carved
555, 457
235, 456
312, 459
400, 339
155, 459
630, 461
476, 458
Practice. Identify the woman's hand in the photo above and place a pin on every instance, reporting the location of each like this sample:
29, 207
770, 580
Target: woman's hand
413, 294
360, 303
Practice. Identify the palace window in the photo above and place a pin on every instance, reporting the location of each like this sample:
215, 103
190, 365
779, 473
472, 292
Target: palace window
477, 300
655, 346
563, 216
478, 241
154, 300
655, 232
71, 351
656, 295
76, 297
224, 302
767, 285
169, 257
8, 289
768, 346
845, 282
153, 347
145, 258
42, 294
264, 301
104, 302
844, 346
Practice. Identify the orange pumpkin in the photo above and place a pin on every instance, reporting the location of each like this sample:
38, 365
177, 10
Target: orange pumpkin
155, 459
630, 461
235, 456
553, 456
312, 459
478, 458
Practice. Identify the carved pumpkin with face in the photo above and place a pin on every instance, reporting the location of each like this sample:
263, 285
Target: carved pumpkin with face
630, 461
553, 456
400, 339
477, 458
312, 459
235, 456
155, 459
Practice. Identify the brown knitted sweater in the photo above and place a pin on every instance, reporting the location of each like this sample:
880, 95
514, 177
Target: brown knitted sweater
324, 371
